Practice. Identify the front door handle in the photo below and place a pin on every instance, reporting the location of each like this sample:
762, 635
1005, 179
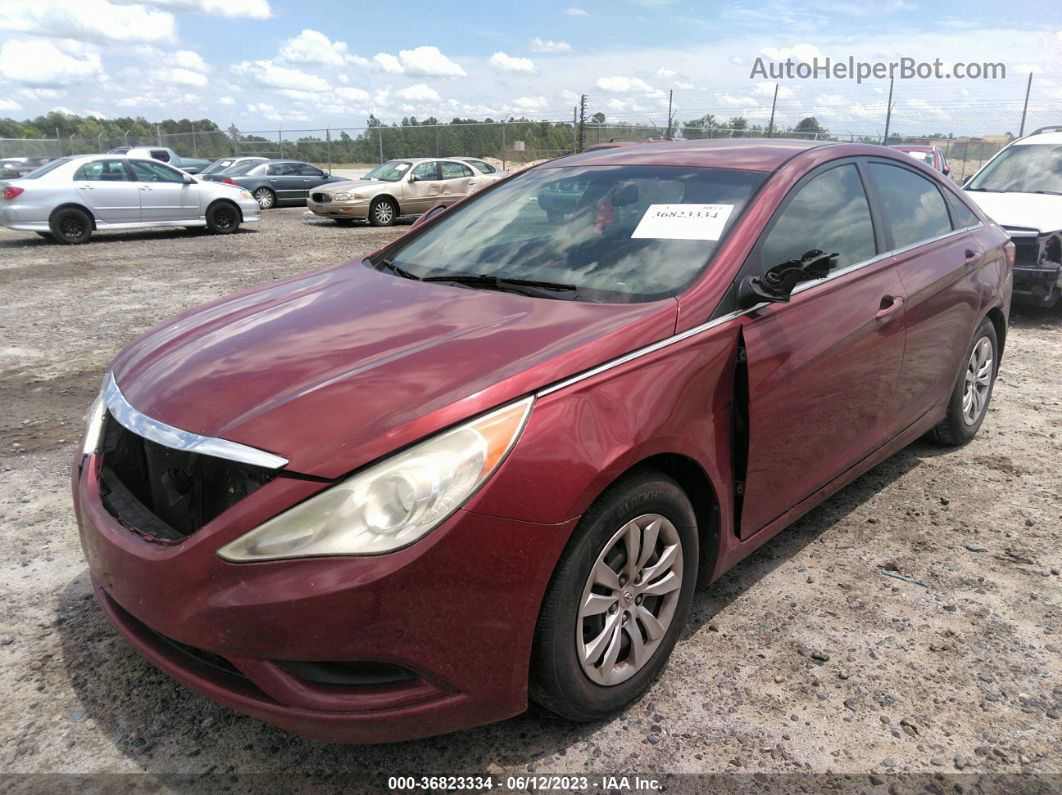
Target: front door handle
889, 307
85, 187
145, 187
971, 257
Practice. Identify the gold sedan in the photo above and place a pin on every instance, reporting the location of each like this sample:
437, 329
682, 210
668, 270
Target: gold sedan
396, 188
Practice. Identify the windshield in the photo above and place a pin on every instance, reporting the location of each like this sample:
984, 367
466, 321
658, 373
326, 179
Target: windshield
614, 234
51, 165
391, 171
1026, 168
218, 165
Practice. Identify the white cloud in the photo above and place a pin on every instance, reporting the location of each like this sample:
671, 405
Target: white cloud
572, 11
504, 62
186, 59
425, 61
87, 20
531, 103
730, 101
181, 77
623, 85
766, 89
41, 63
388, 63
9, 106
352, 94
662, 72
226, 101
269, 74
801, 52
265, 110
419, 93
255, 9
314, 47
538, 45
62, 109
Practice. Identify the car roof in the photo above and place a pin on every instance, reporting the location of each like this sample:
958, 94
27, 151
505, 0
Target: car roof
914, 147
1041, 138
743, 154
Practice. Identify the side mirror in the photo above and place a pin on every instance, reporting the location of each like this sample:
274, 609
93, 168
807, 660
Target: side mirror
777, 284
188, 180
947, 170
414, 178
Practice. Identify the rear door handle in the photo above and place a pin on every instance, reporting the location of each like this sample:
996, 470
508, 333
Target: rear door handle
85, 187
971, 256
889, 307
145, 187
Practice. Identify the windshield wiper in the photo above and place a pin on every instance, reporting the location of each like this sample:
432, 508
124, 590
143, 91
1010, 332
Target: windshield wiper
395, 268
501, 282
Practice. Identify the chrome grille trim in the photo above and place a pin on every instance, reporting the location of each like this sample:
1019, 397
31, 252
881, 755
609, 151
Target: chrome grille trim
159, 432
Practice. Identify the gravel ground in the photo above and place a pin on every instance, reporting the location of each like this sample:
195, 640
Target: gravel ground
804, 659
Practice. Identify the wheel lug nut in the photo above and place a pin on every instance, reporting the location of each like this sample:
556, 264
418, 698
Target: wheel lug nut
638, 600
613, 609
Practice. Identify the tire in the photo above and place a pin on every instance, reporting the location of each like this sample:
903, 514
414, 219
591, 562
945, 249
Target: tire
71, 225
344, 221
582, 669
265, 197
223, 218
383, 212
974, 384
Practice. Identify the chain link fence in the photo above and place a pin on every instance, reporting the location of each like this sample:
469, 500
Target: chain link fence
968, 135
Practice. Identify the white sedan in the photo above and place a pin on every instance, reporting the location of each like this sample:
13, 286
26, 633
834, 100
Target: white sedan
70, 198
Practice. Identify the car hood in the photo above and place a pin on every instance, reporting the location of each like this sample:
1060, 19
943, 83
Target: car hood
1039, 211
336, 368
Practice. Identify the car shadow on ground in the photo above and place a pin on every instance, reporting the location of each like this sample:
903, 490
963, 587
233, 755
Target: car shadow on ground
170, 732
1023, 316
165, 233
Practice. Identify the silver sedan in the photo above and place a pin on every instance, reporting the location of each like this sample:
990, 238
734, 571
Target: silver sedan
70, 198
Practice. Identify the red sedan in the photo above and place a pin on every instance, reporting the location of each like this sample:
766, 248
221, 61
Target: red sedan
491, 461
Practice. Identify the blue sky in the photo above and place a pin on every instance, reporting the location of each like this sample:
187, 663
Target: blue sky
267, 63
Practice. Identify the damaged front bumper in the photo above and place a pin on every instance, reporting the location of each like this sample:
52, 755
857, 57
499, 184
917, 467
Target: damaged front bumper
1037, 266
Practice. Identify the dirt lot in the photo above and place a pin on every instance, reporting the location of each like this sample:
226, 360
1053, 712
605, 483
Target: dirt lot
804, 659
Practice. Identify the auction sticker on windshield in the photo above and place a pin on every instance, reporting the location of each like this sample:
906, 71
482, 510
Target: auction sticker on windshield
684, 221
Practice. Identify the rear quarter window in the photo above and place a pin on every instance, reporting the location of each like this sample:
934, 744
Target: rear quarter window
914, 209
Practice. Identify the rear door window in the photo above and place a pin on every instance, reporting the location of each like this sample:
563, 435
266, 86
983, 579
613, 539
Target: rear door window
149, 171
452, 170
830, 212
914, 209
102, 171
306, 170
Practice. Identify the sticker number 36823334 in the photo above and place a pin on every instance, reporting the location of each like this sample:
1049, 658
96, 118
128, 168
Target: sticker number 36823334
684, 221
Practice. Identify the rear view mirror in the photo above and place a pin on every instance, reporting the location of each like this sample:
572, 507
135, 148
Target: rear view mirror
777, 284
624, 195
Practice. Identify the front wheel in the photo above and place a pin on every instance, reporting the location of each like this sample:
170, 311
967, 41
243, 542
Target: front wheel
382, 213
618, 599
222, 218
266, 198
972, 391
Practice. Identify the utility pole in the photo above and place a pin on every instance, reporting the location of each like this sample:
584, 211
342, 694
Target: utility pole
1025, 110
575, 129
774, 103
328, 147
670, 92
195, 149
379, 137
888, 116
582, 121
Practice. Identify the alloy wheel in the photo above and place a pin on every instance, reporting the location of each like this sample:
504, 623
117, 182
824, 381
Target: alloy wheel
978, 382
264, 197
72, 227
224, 218
629, 599
384, 212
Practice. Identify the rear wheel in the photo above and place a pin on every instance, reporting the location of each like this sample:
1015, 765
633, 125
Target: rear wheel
382, 212
71, 225
266, 198
222, 218
618, 599
972, 391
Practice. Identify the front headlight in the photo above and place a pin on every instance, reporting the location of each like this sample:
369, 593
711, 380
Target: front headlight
393, 503
94, 423
246, 194
346, 197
